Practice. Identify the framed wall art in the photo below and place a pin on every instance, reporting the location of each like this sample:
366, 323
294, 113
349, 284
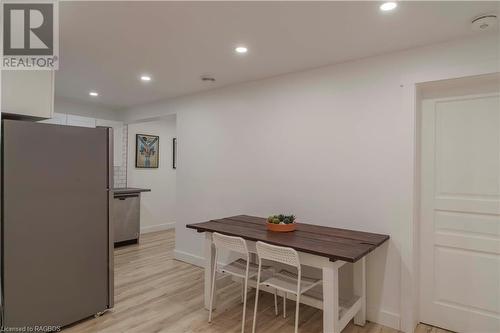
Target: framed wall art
147, 149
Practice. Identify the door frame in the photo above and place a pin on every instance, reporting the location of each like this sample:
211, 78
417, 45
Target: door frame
409, 237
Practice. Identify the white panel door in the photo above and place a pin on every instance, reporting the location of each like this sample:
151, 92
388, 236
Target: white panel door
460, 214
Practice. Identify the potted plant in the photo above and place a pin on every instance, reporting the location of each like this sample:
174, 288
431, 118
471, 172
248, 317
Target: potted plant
281, 223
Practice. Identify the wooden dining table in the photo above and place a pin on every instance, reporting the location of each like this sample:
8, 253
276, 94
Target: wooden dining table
322, 247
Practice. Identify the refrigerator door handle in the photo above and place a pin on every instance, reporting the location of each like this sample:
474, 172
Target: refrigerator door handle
111, 236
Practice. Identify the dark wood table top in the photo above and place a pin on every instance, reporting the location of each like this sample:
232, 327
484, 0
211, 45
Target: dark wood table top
333, 243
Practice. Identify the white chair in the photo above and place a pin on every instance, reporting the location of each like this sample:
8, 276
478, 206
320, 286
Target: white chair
241, 268
285, 281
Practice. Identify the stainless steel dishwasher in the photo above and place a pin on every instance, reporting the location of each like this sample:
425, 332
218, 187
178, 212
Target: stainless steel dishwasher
126, 214
126, 218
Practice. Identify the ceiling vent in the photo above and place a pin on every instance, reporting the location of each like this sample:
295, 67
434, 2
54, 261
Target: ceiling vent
485, 22
207, 78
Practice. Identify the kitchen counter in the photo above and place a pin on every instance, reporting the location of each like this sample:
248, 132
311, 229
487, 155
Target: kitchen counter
129, 190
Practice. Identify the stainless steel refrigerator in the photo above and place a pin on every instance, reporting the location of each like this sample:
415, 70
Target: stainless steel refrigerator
56, 235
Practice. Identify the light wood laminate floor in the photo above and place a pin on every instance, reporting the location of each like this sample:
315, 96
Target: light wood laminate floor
155, 293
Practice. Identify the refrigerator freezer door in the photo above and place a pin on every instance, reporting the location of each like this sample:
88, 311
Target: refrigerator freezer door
55, 225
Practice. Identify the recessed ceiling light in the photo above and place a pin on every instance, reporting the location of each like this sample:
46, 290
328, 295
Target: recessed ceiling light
388, 6
241, 49
145, 78
94, 93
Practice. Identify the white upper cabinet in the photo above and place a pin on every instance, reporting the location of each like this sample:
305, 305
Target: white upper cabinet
57, 119
117, 138
73, 120
28, 93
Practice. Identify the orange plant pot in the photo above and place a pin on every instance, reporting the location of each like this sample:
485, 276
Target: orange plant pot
281, 227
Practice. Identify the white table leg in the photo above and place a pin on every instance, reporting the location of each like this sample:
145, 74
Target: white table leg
331, 298
360, 290
209, 266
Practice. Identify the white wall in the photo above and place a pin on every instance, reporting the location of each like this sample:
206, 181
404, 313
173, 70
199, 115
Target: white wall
334, 145
157, 206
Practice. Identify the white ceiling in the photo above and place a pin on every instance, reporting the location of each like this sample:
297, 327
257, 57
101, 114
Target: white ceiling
105, 46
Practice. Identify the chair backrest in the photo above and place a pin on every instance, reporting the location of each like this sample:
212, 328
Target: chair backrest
236, 244
285, 255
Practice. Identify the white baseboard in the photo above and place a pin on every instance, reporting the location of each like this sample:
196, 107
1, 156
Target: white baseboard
158, 227
383, 317
189, 258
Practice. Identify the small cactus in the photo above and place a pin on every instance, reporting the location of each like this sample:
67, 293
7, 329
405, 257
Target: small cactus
281, 219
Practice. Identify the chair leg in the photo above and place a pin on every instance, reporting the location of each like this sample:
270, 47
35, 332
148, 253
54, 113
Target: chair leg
256, 298
244, 302
243, 291
297, 314
276, 302
284, 305
213, 290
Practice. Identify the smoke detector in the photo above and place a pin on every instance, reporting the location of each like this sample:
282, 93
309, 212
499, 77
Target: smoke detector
484, 22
